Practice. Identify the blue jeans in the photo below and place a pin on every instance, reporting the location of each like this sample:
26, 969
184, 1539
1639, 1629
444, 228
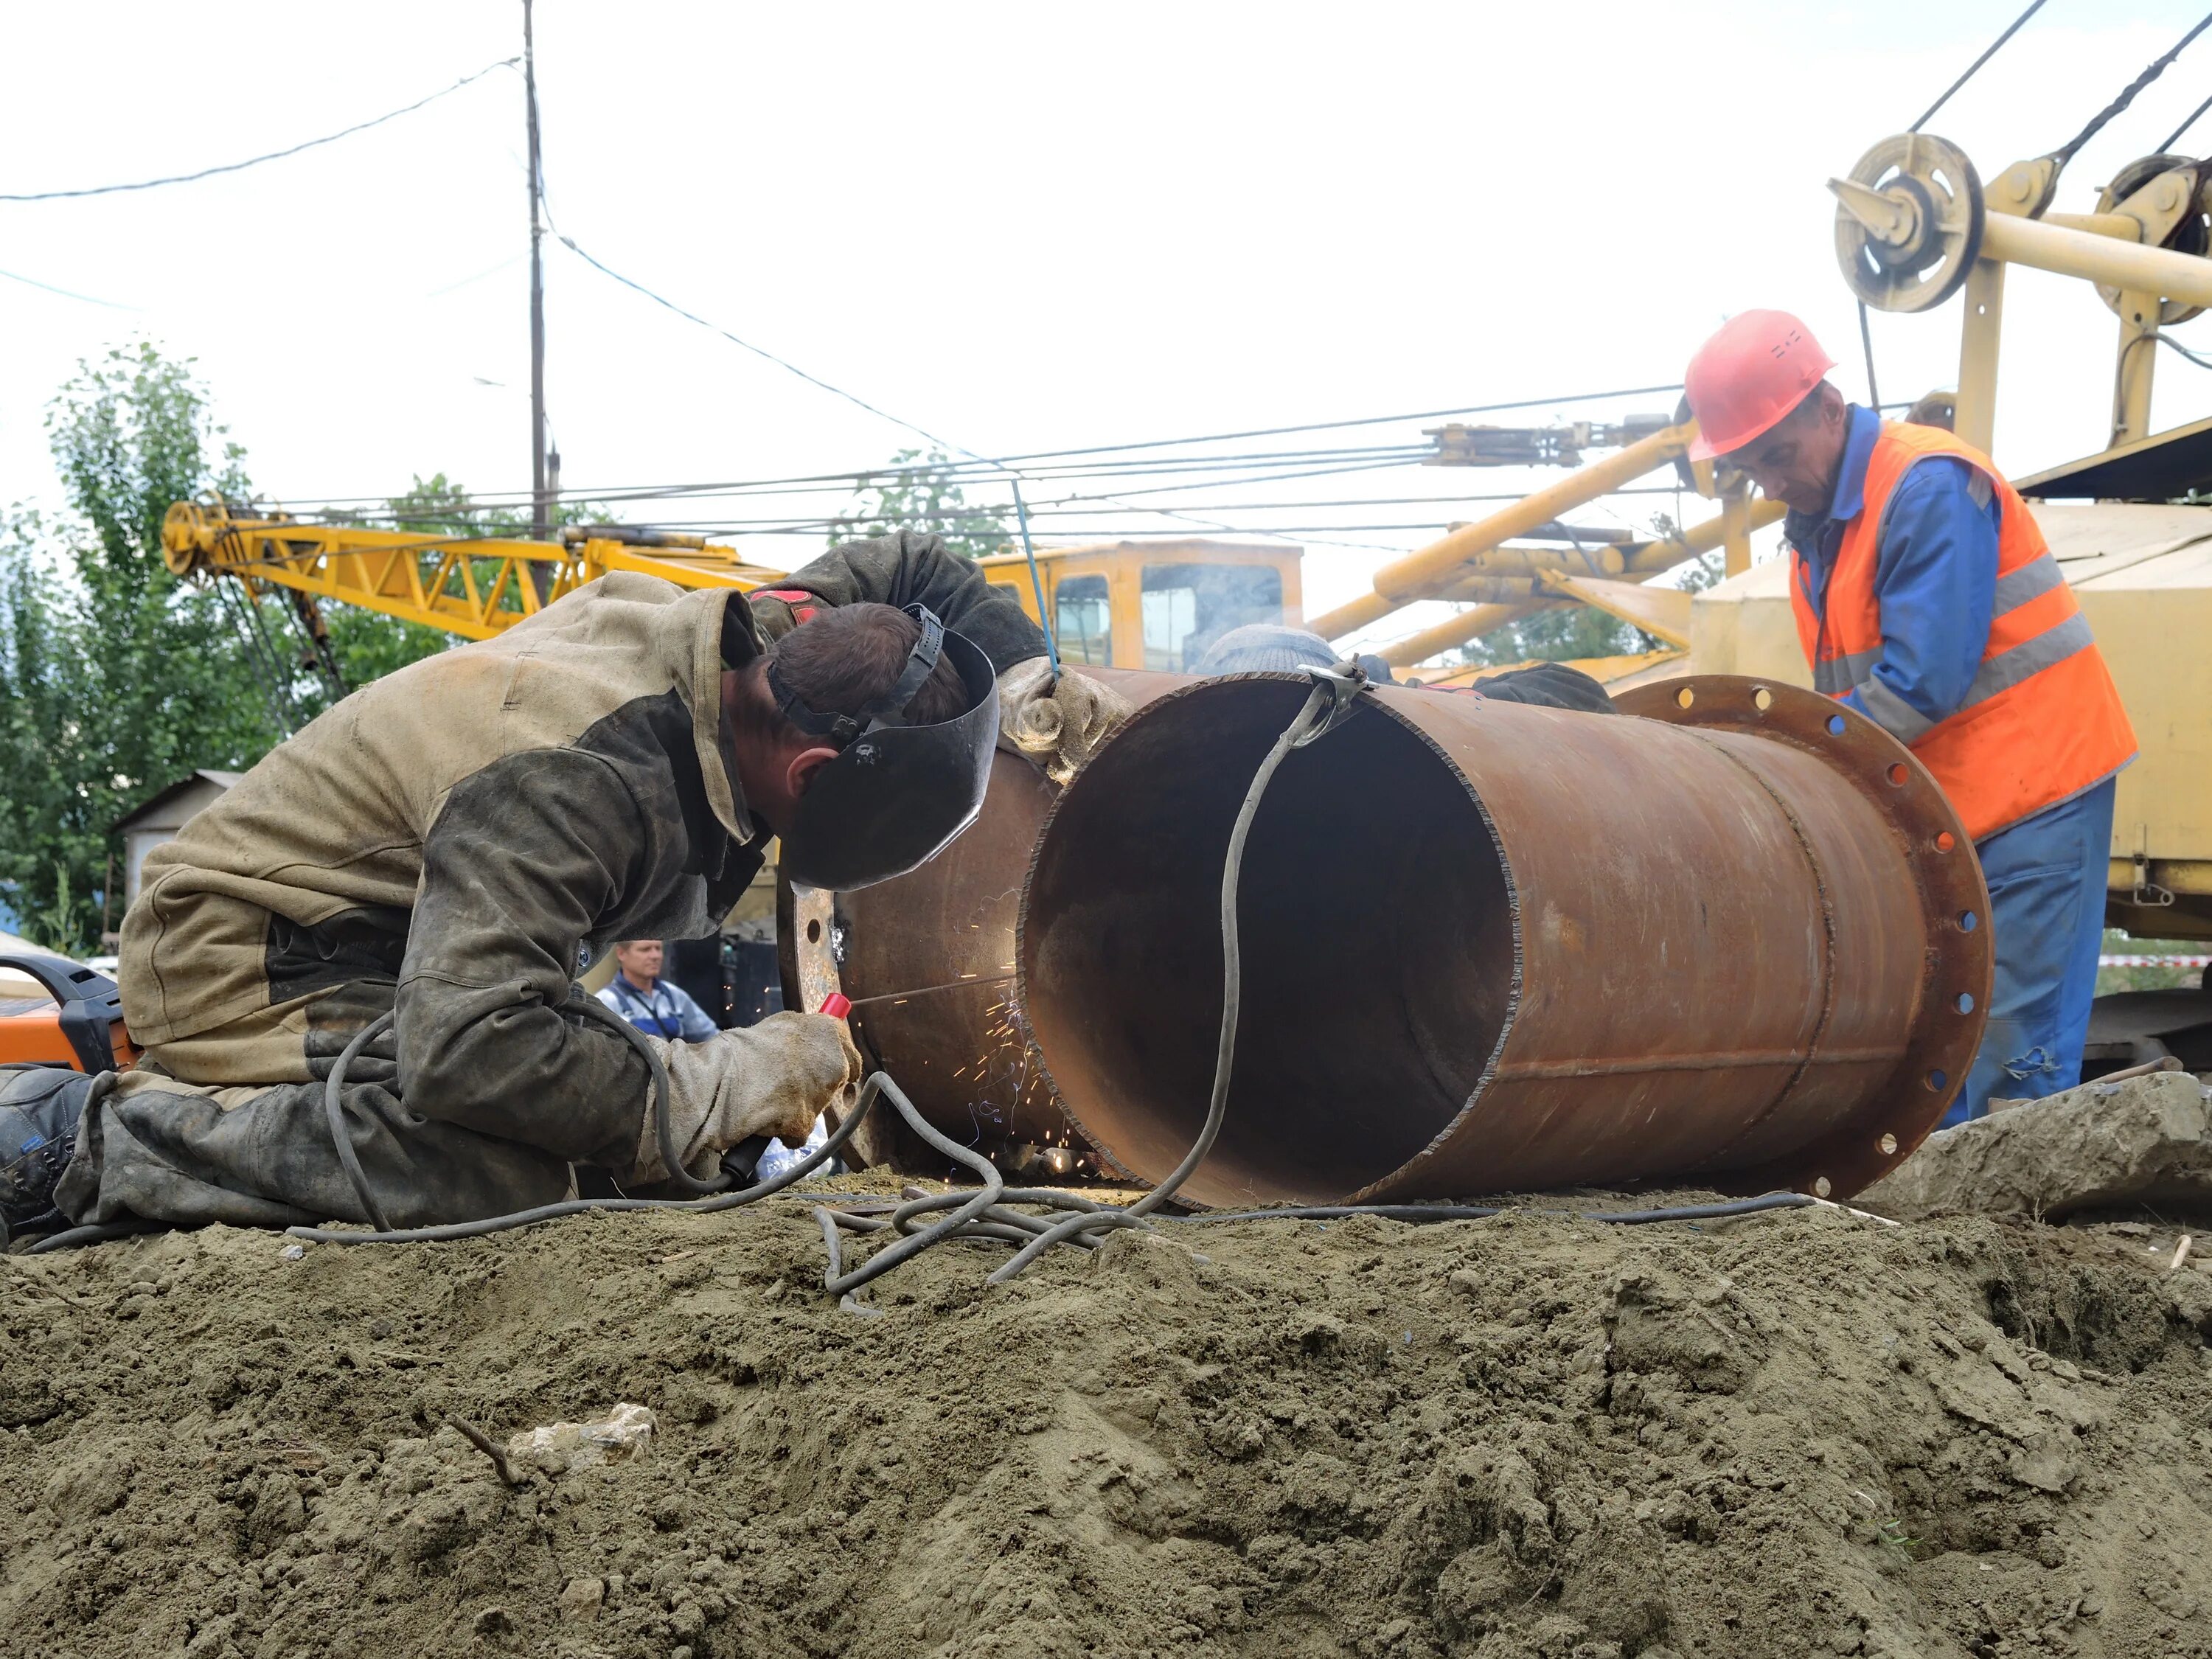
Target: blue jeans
2046, 877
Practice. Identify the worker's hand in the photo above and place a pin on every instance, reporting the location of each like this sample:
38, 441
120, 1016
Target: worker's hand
1057, 723
772, 1079
376, 1062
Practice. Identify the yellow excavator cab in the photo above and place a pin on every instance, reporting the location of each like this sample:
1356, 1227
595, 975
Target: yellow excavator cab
1152, 605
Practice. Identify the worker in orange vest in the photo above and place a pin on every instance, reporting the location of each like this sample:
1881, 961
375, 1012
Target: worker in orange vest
1926, 598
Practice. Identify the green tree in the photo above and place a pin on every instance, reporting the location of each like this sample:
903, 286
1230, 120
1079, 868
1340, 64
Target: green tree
117, 678
922, 492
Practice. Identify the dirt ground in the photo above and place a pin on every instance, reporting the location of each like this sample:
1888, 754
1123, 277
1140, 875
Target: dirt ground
1802, 1433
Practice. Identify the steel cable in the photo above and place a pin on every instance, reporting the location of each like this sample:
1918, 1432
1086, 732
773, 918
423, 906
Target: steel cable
273, 156
1974, 68
2151, 71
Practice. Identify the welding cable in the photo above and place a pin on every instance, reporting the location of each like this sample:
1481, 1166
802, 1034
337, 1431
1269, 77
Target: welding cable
98, 1233
1088, 1217
994, 1187
879, 1084
1304, 725
341, 1137
663, 1120
1425, 1213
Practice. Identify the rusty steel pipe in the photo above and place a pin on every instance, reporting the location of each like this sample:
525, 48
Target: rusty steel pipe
928, 962
1735, 937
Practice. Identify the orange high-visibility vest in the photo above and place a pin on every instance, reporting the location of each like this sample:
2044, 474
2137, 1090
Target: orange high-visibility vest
2042, 720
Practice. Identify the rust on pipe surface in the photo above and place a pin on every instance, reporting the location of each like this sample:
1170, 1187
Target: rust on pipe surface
928, 962
1734, 935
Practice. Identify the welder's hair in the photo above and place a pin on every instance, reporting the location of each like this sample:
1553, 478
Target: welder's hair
847, 656
1809, 406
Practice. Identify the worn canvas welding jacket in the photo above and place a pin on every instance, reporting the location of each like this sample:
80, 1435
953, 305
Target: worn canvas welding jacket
1927, 599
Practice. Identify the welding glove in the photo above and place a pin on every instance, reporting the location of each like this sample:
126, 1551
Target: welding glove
1057, 723
772, 1079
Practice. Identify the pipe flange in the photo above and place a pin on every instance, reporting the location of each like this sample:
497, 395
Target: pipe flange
1947, 1030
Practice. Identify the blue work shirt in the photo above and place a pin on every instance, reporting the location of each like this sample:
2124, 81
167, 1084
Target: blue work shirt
1936, 576
667, 1011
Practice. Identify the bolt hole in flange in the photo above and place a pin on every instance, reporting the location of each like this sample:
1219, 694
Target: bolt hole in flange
814, 932
1685, 697
1762, 700
1887, 1145
1942, 1040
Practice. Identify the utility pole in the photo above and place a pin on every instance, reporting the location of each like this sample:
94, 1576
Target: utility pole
541, 503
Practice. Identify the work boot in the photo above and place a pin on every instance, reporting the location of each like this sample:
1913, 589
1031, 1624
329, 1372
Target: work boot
40, 1107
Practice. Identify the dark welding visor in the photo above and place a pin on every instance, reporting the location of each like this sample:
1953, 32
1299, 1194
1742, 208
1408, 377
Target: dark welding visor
897, 792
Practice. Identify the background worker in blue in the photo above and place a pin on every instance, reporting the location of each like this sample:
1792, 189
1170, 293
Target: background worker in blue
1926, 598
656, 1007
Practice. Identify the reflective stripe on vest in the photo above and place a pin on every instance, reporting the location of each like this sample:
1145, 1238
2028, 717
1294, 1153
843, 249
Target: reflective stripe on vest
2016, 743
2001, 672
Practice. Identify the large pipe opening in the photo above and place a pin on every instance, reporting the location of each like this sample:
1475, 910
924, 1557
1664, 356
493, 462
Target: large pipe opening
1378, 944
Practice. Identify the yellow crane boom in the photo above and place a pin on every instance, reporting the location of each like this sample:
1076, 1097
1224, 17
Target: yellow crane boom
476, 586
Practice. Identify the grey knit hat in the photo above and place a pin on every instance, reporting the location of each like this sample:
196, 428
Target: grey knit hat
1259, 647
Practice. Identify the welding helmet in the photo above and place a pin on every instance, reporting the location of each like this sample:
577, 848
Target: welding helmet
897, 792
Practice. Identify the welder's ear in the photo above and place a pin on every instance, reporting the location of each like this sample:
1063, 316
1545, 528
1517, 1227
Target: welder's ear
800, 770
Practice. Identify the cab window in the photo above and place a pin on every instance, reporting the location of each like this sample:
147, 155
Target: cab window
1189, 606
1081, 620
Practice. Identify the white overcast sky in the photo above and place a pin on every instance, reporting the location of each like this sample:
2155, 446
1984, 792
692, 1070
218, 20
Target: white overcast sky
1022, 225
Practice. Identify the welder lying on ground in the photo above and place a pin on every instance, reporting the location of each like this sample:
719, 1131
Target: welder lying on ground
460, 838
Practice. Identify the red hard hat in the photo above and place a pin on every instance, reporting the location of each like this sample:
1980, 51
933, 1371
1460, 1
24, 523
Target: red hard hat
1755, 370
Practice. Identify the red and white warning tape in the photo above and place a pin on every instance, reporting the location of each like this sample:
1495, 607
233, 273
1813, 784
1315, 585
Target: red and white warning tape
2154, 961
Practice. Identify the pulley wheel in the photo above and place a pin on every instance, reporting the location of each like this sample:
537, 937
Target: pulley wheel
1939, 194
2191, 234
182, 526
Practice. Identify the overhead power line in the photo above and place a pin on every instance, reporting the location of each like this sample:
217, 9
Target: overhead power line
570, 242
256, 160
33, 282
1974, 68
1033, 464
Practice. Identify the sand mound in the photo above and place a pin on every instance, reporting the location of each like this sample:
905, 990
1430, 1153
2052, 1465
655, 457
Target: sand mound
1800, 1434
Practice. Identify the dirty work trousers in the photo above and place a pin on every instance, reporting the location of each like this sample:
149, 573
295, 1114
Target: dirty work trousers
2046, 877
180, 1138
